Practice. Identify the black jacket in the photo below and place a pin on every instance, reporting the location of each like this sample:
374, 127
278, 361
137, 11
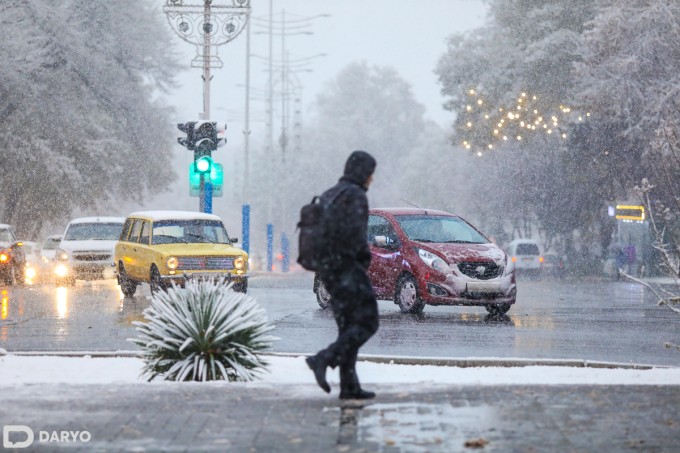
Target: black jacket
347, 218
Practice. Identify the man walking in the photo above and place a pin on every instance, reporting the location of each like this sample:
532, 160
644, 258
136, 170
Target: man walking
344, 275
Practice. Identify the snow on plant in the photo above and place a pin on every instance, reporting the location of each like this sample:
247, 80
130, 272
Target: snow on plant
660, 195
203, 332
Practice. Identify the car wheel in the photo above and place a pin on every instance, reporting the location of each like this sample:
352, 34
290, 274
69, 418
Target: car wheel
407, 297
323, 297
127, 285
498, 308
155, 281
241, 287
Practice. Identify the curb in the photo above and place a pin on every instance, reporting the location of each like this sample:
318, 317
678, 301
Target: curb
389, 360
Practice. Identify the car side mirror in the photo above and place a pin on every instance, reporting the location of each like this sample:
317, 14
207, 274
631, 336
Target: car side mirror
234, 240
385, 242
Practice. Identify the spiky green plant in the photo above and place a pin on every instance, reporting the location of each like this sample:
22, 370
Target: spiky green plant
203, 332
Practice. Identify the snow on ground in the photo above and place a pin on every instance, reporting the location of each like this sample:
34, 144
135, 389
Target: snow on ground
293, 370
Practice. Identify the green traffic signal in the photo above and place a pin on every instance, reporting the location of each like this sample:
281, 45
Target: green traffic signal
216, 177
204, 164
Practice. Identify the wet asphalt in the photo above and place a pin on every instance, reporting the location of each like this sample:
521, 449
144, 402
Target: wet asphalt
553, 319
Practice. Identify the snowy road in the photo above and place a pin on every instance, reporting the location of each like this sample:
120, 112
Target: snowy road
605, 321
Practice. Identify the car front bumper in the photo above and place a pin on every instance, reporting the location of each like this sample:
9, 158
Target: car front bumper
459, 291
181, 279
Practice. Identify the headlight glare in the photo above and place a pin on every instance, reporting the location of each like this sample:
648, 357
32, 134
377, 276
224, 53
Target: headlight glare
60, 270
172, 263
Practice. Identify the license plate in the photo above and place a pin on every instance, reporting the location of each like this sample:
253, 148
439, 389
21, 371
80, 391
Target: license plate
209, 276
483, 287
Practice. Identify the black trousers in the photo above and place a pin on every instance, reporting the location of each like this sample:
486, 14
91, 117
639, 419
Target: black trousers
356, 314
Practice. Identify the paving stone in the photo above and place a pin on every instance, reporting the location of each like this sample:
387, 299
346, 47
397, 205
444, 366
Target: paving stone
438, 418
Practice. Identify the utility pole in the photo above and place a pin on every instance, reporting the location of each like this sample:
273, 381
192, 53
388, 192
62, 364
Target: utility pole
246, 132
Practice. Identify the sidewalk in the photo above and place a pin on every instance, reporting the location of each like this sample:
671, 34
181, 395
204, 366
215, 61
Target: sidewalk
423, 405
242, 417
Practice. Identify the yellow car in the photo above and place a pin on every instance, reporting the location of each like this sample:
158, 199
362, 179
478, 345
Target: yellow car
159, 247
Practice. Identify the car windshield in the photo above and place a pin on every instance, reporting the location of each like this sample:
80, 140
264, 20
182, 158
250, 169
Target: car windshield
6, 236
97, 231
439, 229
189, 232
527, 249
51, 243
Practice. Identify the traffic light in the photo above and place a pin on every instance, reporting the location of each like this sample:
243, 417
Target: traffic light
216, 177
204, 165
221, 131
188, 140
205, 138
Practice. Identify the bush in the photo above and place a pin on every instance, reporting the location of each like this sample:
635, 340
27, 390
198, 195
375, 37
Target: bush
203, 332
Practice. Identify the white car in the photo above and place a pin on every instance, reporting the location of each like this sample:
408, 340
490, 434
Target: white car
32, 253
86, 249
526, 254
49, 248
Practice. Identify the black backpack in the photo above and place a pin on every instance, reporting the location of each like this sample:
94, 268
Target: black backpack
312, 230
312, 238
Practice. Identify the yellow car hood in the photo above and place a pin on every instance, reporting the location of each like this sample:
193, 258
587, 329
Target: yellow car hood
199, 250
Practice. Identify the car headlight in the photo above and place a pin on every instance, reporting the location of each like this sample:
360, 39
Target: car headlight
4, 256
61, 255
60, 270
434, 261
172, 263
239, 263
30, 272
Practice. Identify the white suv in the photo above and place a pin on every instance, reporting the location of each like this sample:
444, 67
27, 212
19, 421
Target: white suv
86, 249
526, 254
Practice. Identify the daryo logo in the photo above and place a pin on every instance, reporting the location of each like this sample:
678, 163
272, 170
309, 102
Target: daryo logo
23, 437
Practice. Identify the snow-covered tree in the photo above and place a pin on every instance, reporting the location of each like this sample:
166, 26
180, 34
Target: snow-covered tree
506, 82
80, 120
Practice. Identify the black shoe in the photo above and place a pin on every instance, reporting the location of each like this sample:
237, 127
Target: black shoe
319, 370
356, 395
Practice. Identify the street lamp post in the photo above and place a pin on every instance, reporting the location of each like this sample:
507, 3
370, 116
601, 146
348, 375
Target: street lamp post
206, 26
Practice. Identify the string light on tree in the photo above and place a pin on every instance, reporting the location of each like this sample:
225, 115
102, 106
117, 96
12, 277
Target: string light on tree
522, 121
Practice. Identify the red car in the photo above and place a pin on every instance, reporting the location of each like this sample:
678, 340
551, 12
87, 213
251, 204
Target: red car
426, 257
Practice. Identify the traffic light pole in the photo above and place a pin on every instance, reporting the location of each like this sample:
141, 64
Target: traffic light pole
218, 22
207, 32
205, 196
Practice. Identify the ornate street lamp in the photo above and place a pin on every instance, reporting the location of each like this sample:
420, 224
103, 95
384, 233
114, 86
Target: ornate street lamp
212, 24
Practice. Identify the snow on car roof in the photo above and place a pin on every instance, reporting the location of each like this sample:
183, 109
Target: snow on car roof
174, 215
98, 220
411, 211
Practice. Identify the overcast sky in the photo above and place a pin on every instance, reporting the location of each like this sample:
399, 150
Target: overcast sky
409, 36
406, 35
